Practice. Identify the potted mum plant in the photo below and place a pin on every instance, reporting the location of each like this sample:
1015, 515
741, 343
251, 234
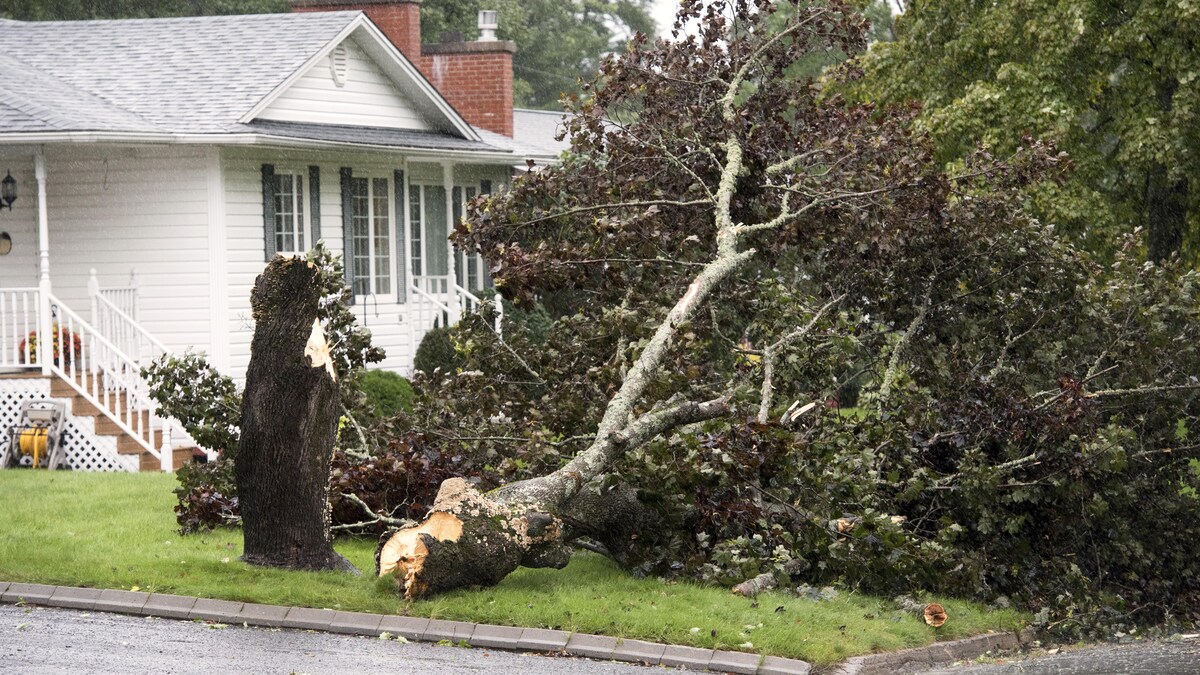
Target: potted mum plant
62, 341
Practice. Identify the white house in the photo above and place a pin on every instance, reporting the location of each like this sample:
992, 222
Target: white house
157, 164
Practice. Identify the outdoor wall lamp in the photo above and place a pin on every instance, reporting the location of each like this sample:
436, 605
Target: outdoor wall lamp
8, 191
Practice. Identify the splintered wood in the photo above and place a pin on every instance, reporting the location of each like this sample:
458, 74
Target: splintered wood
405, 552
316, 350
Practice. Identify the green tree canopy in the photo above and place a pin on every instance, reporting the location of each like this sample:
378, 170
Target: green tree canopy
558, 41
1115, 84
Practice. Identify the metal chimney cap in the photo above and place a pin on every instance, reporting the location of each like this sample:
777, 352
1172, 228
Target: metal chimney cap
488, 23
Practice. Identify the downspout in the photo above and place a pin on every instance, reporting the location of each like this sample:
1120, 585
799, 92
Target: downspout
46, 351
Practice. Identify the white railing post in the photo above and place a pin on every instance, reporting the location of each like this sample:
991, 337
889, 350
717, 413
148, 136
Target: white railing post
136, 301
499, 321
93, 289
166, 454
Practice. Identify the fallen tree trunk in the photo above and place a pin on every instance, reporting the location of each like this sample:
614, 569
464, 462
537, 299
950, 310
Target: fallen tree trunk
290, 413
471, 539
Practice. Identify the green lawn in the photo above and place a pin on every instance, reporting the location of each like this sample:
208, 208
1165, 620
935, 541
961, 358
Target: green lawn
117, 531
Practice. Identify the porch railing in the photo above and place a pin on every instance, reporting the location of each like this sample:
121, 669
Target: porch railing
125, 298
115, 316
18, 321
438, 301
103, 375
431, 304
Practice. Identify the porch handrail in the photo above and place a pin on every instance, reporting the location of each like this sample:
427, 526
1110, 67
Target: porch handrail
443, 306
469, 302
124, 298
109, 379
19, 318
115, 315
125, 326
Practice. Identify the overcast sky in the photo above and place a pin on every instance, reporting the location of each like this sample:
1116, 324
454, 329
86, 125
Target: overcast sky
664, 13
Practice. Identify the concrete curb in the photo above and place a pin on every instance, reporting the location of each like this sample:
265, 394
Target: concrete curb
942, 653
488, 636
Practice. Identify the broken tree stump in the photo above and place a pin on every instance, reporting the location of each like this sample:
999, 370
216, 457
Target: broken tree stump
290, 413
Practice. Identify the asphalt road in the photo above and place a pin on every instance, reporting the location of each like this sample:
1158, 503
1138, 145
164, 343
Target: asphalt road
42, 640
1170, 657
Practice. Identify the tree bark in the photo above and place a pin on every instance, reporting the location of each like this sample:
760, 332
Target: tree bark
1166, 213
472, 539
1166, 199
290, 413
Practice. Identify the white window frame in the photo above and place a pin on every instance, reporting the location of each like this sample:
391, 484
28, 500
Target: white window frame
439, 288
418, 235
300, 206
374, 274
465, 261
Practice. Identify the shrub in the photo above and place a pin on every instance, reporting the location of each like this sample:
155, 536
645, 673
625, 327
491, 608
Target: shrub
387, 393
436, 351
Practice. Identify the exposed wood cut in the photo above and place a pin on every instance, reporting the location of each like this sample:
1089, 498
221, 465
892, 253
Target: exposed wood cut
404, 553
935, 615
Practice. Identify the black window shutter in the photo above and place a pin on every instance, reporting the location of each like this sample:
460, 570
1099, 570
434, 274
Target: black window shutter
268, 194
401, 254
314, 203
485, 186
347, 234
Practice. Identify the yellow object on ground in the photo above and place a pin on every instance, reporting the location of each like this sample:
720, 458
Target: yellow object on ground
33, 442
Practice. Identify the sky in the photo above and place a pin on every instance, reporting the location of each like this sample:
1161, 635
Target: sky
663, 12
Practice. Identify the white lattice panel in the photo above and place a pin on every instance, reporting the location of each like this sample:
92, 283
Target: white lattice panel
85, 450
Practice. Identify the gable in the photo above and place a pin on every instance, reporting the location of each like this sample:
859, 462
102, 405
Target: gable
346, 87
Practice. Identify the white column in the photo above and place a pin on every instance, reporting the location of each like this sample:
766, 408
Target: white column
219, 351
455, 302
406, 235
166, 455
45, 350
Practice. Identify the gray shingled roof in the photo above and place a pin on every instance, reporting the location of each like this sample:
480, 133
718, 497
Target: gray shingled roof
198, 75
192, 74
49, 104
538, 128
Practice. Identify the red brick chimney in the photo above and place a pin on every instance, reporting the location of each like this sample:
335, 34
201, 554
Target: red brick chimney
475, 77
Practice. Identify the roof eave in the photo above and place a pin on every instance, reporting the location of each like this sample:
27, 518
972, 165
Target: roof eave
505, 157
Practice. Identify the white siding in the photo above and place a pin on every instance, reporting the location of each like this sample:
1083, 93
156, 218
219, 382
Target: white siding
19, 269
147, 208
389, 321
243, 197
367, 98
120, 209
